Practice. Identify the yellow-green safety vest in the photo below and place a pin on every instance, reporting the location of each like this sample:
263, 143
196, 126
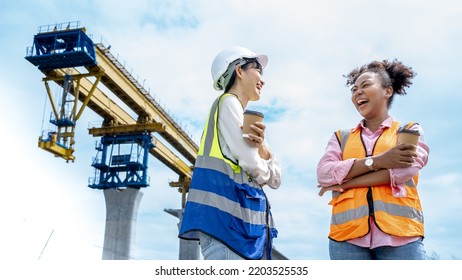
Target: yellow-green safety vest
223, 200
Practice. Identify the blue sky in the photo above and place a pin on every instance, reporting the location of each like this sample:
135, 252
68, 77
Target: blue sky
170, 46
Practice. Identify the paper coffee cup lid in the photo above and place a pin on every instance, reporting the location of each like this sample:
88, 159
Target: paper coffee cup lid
410, 131
252, 112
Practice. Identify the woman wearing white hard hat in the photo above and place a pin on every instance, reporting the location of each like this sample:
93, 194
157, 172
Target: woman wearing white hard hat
227, 209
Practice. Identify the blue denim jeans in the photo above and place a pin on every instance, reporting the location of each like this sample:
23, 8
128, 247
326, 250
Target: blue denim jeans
347, 251
213, 249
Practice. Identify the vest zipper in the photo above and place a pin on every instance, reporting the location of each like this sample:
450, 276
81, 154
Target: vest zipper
370, 202
268, 238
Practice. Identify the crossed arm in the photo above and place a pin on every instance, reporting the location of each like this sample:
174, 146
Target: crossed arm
359, 175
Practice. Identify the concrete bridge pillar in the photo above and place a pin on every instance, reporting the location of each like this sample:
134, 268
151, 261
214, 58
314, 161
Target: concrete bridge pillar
189, 249
121, 214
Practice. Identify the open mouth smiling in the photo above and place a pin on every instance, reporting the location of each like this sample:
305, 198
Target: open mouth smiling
362, 102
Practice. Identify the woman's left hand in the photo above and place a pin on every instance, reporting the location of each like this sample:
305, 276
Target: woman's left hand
256, 140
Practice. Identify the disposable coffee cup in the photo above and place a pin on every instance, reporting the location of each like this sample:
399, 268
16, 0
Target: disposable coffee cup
251, 117
408, 136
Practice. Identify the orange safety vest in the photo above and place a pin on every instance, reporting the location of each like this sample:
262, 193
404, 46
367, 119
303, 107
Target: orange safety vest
399, 216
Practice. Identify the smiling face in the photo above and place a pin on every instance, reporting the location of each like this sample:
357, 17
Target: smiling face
370, 97
246, 82
252, 82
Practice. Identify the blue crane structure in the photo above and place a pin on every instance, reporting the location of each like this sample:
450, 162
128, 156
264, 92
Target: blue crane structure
68, 57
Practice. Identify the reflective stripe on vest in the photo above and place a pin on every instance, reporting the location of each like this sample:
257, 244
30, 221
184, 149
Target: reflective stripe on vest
399, 216
224, 202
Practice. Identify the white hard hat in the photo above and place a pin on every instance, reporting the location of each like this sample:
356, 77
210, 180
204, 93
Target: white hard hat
221, 72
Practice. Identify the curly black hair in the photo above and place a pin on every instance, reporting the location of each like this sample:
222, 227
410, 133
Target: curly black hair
391, 73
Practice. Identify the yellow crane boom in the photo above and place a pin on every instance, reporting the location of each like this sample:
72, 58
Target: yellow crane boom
61, 53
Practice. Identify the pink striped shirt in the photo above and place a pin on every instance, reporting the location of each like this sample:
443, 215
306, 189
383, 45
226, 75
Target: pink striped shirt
332, 170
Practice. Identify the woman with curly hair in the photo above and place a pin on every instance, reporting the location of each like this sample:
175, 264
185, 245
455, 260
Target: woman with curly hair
376, 209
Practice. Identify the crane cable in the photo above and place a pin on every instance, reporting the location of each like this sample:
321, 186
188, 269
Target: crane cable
49, 237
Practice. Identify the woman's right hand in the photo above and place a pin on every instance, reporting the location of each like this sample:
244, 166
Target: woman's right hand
334, 188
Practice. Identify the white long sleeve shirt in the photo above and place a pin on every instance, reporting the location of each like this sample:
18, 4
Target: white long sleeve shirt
233, 145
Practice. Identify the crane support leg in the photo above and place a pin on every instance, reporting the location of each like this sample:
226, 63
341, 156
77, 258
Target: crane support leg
50, 97
121, 212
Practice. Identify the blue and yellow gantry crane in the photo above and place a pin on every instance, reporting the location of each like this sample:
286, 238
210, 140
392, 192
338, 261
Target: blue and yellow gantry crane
66, 55
58, 48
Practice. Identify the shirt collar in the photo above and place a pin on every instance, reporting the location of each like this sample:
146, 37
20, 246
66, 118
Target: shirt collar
386, 123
